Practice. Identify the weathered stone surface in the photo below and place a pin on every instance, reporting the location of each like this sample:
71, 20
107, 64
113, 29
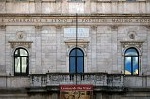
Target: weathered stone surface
106, 28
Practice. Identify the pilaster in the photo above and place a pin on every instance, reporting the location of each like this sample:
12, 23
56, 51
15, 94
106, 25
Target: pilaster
114, 48
148, 47
93, 55
59, 59
2, 50
38, 49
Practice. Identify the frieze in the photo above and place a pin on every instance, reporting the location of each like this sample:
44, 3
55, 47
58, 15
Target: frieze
72, 20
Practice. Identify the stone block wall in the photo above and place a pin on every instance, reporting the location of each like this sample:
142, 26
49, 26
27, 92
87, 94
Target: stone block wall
66, 6
49, 52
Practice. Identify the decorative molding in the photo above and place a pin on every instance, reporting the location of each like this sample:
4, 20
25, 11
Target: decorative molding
15, 44
80, 43
126, 44
118, 1
72, 15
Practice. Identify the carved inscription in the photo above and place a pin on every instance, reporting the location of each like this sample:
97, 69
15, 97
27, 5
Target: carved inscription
22, 20
121, 20
73, 20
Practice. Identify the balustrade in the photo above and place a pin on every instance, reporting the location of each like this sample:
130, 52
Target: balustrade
96, 79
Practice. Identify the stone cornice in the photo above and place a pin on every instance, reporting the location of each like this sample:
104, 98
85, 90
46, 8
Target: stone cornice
118, 1
36, 1
82, 43
26, 44
131, 43
82, 1
72, 15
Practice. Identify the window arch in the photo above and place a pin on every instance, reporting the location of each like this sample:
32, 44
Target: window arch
21, 62
76, 61
131, 61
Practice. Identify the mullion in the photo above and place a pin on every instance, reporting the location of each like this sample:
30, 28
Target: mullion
20, 64
82, 63
131, 65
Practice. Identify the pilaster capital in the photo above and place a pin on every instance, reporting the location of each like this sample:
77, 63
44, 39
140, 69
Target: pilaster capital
2, 27
58, 27
94, 27
38, 27
147, 26
114, 27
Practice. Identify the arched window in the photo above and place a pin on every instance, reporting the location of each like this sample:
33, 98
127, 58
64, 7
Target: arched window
21, 62
76, 61
131, 61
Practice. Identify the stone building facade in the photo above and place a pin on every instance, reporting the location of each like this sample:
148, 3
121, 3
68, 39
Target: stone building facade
41, 39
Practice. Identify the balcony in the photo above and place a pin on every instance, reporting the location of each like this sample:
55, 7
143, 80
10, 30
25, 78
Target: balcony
100, 81
52, 81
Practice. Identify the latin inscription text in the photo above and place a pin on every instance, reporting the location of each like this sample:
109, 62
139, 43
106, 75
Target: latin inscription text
80, 20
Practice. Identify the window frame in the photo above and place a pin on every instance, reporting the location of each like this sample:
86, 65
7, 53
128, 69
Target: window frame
132, 56
82, 56
21, 73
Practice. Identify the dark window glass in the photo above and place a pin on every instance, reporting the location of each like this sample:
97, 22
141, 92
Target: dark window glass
21, 62
76, 61
131, 61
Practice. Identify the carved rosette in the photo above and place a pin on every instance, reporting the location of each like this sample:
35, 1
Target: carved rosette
20, 35
26, 44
